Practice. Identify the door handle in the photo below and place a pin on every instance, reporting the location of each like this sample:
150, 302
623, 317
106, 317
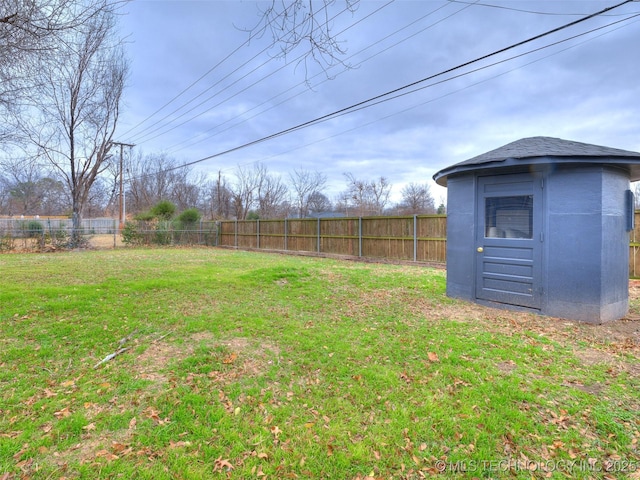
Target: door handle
480, 249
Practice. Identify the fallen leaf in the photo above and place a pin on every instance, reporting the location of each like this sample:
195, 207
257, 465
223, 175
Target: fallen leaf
65, 412
48, 393
90, 427
118, 447
433, 357
132, 423
180, 444
220, 464
106, 454
230, 359
17, 455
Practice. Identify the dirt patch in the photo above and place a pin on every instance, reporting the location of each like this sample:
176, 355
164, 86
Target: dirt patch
151, 363
507, 367
238, 357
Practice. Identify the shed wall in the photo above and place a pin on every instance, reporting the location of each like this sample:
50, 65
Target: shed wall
585, 242
461, 195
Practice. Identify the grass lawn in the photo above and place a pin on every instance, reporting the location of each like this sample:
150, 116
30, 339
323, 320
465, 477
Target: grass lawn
250, 365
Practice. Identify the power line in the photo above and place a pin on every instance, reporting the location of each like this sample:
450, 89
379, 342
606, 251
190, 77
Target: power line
397, 92
534, 12
248, 40
270, 100
146, 138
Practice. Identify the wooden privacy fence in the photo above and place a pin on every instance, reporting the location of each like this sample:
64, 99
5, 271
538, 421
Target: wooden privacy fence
421, 238
634, 248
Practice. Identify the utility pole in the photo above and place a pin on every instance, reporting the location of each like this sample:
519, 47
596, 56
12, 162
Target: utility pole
121, 213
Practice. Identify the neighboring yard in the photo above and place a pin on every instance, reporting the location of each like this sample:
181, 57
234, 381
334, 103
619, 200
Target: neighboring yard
251, 365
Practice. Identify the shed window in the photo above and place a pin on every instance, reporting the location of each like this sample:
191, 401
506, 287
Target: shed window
509, 217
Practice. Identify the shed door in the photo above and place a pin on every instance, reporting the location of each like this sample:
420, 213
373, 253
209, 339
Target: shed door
509, 240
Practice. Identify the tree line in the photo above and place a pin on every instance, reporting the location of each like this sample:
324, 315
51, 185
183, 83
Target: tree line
249, 192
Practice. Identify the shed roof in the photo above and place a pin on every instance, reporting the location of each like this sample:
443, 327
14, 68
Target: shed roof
544, 150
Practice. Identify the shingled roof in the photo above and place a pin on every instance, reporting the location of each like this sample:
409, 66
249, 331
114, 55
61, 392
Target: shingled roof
540, 150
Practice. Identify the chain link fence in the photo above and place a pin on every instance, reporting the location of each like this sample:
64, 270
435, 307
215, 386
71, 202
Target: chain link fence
47, 234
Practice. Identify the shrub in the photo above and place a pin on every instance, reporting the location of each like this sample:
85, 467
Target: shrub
145, 216
130, 234
189, 217
34, 229
163, 210
7, 243
163, 234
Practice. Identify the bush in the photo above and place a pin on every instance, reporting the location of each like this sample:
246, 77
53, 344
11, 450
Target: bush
163, 234
163, 210
189, 217
7, 243
34, 229
145, 217
130, 234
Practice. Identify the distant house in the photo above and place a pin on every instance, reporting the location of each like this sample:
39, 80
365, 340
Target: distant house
541, 224
326, 215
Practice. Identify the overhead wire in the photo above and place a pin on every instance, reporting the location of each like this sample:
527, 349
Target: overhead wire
290, 97
199, 79
535, 12
466, 87
146, 137
376, 99
141, 137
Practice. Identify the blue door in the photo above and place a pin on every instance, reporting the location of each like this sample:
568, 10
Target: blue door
509, 240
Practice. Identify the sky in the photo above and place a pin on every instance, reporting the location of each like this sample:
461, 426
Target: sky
204, 82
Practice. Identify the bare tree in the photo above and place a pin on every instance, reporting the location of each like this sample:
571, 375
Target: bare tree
358, 196
272, 195
416, 198
305, 185
27, 190
21, 179
76, 106
380, 190
319, 203
305, 25
31, 31
151, 179
243, 191
218, 198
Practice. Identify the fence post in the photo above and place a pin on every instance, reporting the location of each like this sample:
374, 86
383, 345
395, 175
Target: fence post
415, 238
115, 234
359, 236
286, 244
318, 232
236, 234
258, 232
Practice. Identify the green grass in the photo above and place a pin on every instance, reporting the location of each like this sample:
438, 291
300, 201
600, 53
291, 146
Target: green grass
249, 365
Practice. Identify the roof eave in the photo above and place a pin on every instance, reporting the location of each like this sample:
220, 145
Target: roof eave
632, 163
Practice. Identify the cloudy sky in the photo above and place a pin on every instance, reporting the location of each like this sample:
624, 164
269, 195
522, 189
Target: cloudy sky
202, 85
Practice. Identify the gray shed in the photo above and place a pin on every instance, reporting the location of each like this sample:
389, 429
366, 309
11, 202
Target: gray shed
542, 224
